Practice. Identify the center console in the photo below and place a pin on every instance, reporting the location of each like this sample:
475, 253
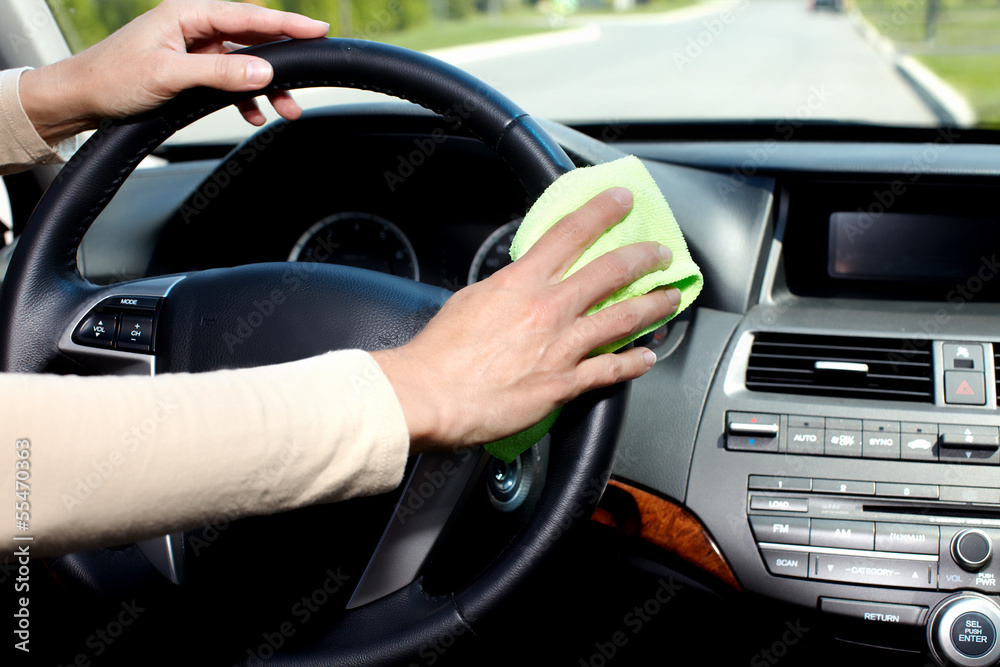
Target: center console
848, 456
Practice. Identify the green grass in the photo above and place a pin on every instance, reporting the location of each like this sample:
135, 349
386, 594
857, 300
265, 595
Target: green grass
959, 24
964, 51
976, 77
436, 35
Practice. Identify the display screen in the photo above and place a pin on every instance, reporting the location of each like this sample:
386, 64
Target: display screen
909, 246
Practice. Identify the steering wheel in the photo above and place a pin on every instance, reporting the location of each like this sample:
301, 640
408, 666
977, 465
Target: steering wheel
44, 294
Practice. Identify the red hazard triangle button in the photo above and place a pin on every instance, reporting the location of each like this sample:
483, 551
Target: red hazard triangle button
964, 388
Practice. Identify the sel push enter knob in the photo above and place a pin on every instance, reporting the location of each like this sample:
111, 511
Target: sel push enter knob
962, 630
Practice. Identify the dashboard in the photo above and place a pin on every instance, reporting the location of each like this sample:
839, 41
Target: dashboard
827, 416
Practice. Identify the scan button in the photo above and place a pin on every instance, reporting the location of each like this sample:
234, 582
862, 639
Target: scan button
786, 563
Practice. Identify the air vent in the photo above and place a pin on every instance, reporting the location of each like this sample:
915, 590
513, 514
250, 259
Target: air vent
996, 366
845, 366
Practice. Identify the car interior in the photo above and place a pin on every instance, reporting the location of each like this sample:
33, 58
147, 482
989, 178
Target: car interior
808, 475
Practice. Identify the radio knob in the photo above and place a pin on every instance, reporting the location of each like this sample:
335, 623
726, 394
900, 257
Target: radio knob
971, 549
962, 630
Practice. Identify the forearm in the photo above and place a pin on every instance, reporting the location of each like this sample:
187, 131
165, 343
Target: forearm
116, 459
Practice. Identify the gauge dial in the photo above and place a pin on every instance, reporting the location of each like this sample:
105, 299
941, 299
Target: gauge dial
360, 240
494, 253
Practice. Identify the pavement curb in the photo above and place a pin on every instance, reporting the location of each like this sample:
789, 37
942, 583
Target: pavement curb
944, 101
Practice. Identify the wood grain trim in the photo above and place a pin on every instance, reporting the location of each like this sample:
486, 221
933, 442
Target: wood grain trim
664, 524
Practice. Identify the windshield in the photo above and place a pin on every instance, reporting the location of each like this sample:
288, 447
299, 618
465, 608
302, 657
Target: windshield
886, 62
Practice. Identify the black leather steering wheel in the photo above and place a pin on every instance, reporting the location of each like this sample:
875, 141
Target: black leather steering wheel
44, 294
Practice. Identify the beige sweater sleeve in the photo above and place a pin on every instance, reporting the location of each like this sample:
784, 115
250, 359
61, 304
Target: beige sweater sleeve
20, 146
114, 459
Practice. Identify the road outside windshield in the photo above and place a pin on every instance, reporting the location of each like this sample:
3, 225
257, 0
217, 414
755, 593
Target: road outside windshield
892, 62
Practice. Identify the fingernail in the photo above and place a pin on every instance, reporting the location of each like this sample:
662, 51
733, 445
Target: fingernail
258, 72
623, 196
666, 254
649, 357
674, 295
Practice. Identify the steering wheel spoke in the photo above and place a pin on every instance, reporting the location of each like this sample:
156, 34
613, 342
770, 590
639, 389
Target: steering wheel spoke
113, 332
434, 490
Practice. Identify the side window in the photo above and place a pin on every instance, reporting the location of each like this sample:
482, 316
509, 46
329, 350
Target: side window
85, 22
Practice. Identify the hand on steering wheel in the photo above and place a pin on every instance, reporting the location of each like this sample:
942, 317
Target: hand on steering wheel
515, 346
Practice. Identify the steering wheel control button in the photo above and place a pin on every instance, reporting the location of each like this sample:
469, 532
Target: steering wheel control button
786, 563
876, 613
971, 549
842, 437
873, 571
771, 483
131, 302
779, 504
964, 388
844, 486
842, 534
97, 330
136, 334
747, 431
880, 440
907, 538
973, 634
780, 529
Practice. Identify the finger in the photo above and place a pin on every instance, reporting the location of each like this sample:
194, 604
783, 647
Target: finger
614, 270
251, 112
563, 244
285, 105
607, 369
234, 73
236, 20
625, 318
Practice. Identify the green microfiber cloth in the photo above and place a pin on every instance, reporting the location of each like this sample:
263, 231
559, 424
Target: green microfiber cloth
649, 220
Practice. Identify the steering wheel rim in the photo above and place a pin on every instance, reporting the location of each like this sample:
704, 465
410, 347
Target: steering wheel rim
43, 291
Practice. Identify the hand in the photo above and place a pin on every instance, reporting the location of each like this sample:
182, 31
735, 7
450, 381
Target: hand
177, 45
505, 352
